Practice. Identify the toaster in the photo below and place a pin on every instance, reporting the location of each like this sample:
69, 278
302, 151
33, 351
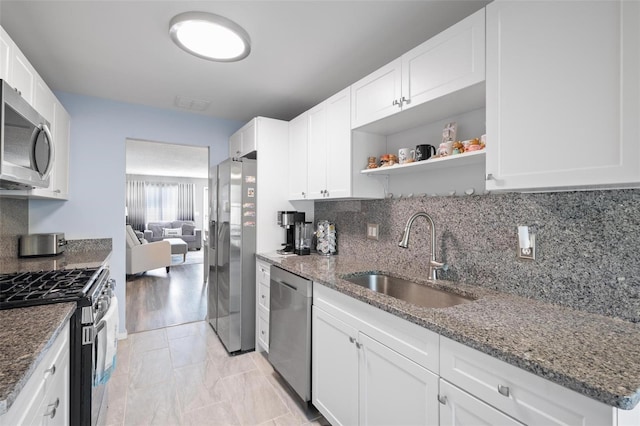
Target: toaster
42, 244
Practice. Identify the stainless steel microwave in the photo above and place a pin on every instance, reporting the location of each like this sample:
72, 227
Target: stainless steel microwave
26, 146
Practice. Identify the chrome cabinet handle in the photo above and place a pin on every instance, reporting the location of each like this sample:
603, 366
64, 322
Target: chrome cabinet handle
51, 370
358, 345
351, 339
503, 390
490, 176
442, 399
304, 195
395, 102
51, 409
403, 100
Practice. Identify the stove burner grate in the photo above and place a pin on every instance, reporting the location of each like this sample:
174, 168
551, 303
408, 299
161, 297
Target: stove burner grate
27, 287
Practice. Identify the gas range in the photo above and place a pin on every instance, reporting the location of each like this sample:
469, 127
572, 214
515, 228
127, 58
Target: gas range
24, 289
92, 290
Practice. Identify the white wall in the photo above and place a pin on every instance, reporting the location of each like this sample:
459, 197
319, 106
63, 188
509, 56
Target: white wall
99, 129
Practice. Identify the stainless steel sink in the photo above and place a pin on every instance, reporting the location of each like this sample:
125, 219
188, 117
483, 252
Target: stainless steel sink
408, 291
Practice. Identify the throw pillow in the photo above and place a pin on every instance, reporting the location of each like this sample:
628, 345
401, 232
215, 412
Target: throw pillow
143, 241
171, 232
187, 229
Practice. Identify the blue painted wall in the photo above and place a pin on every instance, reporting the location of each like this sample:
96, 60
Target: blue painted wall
99, 128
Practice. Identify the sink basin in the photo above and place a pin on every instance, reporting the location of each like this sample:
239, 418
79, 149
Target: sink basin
408, 291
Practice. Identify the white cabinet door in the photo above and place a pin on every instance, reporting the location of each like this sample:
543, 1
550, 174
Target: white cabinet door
298, 137
44, 102
377, 95
563, 94
62, 140
452, 60
317, 152
263, 285
235, 144
23, 76
338, 145
334, 369
458, 408
6, 56
250, 137
244, 141
394, 389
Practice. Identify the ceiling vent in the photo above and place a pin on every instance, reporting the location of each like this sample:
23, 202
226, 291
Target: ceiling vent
191, 104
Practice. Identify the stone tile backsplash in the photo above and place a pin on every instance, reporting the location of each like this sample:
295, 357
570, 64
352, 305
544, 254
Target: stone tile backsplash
14, 221
587, 243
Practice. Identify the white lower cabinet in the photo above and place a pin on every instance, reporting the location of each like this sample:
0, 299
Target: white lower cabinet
44, 399
263, 285
365, 370
334, 371
394, 389
370, 367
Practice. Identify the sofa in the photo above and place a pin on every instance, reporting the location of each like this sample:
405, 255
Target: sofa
183, 229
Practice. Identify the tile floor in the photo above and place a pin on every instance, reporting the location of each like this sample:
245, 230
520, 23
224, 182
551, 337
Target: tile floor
182, 375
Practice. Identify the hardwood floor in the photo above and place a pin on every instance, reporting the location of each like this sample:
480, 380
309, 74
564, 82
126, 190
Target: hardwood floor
159, 299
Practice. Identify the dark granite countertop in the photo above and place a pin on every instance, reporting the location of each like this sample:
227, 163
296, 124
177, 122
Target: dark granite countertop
594, 355
25, 336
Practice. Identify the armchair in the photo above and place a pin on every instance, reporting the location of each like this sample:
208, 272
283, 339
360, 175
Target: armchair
141, 257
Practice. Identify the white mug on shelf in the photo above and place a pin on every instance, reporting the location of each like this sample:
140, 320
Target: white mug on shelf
406, 155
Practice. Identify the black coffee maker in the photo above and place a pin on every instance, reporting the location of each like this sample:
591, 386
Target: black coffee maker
288, 219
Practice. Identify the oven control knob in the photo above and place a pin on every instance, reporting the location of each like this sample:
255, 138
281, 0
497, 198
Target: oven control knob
103, 305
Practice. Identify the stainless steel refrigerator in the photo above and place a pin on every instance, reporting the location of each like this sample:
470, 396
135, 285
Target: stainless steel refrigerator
232, 248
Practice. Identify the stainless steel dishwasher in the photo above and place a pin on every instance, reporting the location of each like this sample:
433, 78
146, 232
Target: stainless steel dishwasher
290, 329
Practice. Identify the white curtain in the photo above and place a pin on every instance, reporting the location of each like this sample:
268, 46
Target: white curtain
136, 204
159, 202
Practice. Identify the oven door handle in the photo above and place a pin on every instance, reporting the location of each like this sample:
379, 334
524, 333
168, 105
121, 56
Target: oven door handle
96, 346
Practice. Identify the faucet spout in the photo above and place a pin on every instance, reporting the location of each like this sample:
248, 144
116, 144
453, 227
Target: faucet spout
404, 242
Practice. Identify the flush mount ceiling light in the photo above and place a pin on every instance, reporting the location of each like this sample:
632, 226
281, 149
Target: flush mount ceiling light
210, 36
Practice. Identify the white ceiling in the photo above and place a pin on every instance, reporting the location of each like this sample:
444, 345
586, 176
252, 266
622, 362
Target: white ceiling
166, 159
302, 51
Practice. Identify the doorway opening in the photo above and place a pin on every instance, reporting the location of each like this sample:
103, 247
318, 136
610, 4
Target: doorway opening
166, 199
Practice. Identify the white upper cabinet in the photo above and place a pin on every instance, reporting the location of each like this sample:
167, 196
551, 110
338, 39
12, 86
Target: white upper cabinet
563, 95
19, 74
317, 152
338, 151
243, 141
329, 152
450, 61
23, 77
329, 148
298, 140
6, 52
377, 95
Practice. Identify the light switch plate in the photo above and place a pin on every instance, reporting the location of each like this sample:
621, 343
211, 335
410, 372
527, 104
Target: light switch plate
372, 231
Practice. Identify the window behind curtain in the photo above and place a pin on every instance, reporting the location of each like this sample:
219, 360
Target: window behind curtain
163, 202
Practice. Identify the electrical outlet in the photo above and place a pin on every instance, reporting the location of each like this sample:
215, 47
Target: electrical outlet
372, 231
528, 253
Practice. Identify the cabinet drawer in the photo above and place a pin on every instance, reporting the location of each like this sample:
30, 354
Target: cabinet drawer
528, 398
263, 328
263, 296
262, 273
461, 409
